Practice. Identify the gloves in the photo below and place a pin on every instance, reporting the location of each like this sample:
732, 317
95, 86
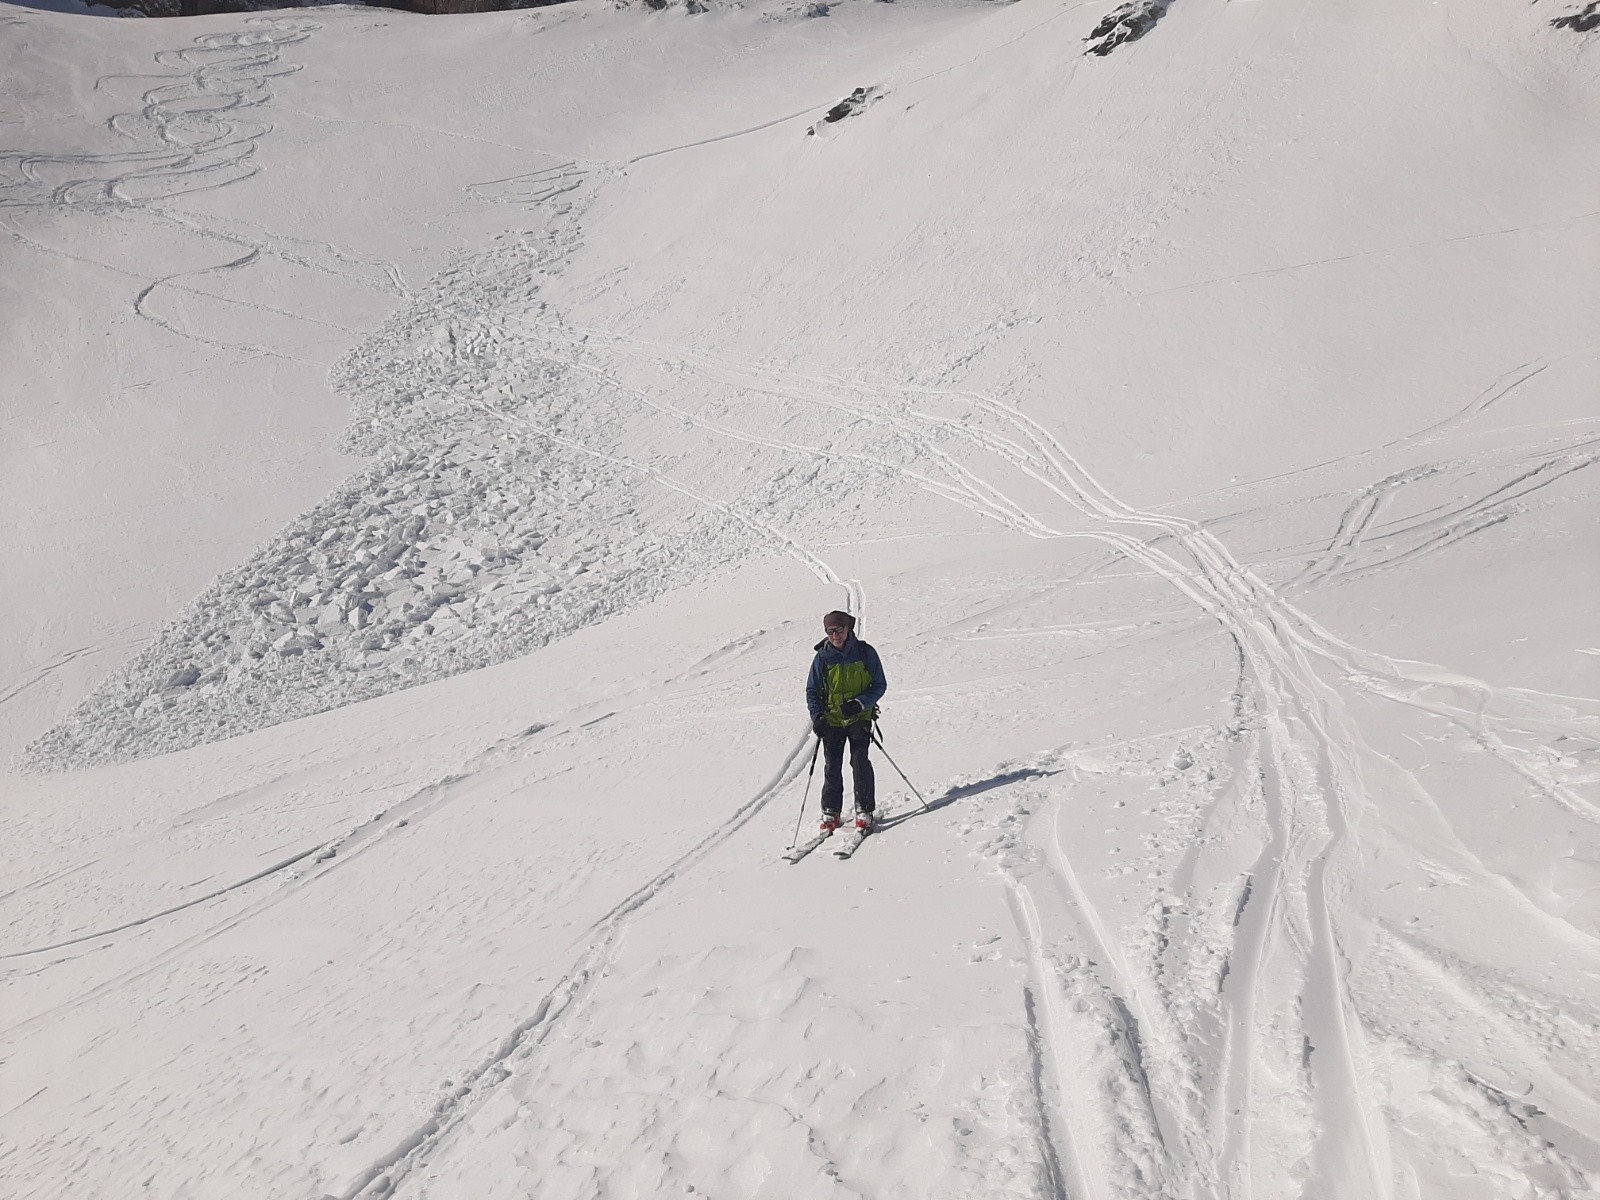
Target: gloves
850, 708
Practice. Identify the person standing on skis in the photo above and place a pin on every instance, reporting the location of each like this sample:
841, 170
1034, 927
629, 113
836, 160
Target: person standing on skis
842, 691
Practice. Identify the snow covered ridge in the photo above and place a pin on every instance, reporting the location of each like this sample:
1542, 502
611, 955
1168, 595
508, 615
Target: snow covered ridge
200, 8
195, 8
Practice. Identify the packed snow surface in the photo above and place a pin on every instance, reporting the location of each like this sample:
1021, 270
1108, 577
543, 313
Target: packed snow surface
431, 444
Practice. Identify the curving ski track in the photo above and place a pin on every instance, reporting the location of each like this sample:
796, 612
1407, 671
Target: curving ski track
1312, 794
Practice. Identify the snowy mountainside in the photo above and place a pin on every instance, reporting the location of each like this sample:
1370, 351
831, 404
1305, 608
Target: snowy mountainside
416, 567
488, 408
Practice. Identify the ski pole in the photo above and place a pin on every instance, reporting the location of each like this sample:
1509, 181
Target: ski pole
877, 737
805, 795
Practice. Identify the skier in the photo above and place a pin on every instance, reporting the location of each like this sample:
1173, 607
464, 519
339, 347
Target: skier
842, 691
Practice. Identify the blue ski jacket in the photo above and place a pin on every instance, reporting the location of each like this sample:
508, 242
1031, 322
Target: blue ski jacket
851, 672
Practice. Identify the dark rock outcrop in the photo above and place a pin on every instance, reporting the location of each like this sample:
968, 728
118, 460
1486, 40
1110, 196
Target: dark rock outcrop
852, 104
1127, 23
200, 8
1583, 21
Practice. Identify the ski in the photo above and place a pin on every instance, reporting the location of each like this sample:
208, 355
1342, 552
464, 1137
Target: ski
850, 843
795, 854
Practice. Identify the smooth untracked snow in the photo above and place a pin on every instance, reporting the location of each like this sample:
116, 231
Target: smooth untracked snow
431, 444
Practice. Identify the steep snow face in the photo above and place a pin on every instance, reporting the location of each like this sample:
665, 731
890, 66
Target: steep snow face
420, 566
1196, 402
491, 516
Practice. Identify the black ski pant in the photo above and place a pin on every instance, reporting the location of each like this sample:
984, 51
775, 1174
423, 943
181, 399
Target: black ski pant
859, 736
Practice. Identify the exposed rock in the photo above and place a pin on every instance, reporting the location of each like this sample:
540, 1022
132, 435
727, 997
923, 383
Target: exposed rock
1127, 23
852, 104
470, 6
199, 8
1583, 21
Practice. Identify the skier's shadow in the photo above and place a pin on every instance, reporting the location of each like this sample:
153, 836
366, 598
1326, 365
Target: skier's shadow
1004, 779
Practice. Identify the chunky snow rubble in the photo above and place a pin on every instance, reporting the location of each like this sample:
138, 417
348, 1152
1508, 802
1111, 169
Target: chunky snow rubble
481, 531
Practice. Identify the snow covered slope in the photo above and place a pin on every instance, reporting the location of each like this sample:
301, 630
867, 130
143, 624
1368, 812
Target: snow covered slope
1201, 430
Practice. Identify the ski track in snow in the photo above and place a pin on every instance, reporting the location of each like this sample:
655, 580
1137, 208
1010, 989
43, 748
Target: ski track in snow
1309, 772
1302, 797
1126, 1050
526, 1037
195, 130
1363, 544
1298, 793
1097, 1015
487, 524
197, 121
